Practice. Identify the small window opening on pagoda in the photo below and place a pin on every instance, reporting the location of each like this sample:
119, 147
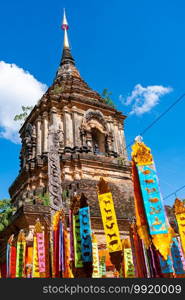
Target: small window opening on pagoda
98, 141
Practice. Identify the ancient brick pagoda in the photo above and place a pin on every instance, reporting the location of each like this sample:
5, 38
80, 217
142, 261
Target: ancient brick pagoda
70, 139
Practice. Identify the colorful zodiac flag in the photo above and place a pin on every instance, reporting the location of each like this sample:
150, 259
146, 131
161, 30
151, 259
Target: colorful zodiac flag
77, 242
152, 199
21, 253
177, 257
166, 265
35, 269
158, 225
128, 263
142, 228
56, 221
13, 261
11, 258
67, 270
102, 267
96, 268
110, 222
129, 269
154, 207
61, 247
180, 217
85, 234
41, 251
71, 235
8, 260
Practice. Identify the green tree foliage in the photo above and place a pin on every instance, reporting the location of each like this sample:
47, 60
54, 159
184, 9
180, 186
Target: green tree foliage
5, 213
106, 96
44, 198
25, 112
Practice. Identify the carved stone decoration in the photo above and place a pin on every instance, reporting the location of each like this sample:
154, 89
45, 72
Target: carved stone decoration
54, 171
28, 143
97, 115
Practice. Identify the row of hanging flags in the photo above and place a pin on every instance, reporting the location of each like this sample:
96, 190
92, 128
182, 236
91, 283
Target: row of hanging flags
152, 249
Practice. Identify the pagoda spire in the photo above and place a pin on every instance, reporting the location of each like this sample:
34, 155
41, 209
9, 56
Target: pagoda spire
65, 28
66, 55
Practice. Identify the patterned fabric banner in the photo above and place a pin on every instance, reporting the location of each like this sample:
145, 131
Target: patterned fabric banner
20, 258
128, 263
61, 248
71, 235
85, 234
67, 270
41, 252
55, 223
181, 252
102, 267
51, 253
110, 222
166, 265
11, 258
77, 242
96, 268
13, 261
177, 257
157, 221
8, 260
180, 217
35, 269
154, 207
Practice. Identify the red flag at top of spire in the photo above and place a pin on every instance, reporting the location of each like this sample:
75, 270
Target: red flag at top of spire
64, 22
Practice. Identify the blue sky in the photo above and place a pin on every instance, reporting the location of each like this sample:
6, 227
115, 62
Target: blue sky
117, 45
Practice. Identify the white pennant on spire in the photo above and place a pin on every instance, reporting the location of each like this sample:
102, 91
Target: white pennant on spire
65, 28
64, 22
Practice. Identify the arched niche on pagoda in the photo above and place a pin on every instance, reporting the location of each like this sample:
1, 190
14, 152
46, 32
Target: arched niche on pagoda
95, 133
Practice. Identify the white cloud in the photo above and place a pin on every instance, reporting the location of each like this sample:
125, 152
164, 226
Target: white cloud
17, 87
143, 99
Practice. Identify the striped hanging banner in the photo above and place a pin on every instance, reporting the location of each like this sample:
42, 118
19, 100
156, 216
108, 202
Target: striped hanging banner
85, 234
21, 254
95, 255
77, 242
41, 251
110, 222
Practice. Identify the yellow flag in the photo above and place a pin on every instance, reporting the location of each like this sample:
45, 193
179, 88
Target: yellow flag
110, 222
129, 269
96, 263
35, 271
